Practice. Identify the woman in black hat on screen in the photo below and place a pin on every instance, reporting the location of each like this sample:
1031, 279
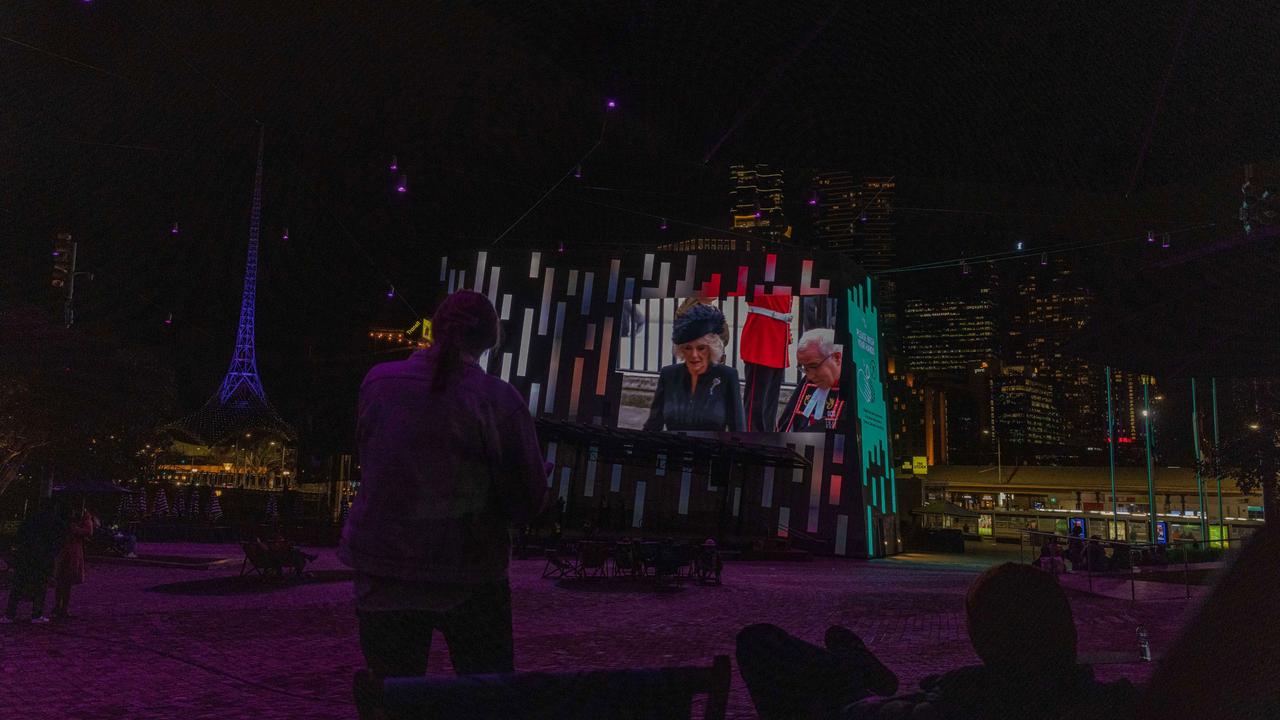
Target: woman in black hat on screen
698, 393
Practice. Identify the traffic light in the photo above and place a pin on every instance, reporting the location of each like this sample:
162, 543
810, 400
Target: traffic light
63, 259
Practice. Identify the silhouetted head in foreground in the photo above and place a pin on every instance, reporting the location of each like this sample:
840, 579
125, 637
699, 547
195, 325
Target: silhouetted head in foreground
1020, 621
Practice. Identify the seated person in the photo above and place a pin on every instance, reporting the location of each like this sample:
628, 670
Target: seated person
1005, 608
1051, 558
113, 537
1095, 555
286, 554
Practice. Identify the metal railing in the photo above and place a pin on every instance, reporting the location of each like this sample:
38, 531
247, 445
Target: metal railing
1127, 559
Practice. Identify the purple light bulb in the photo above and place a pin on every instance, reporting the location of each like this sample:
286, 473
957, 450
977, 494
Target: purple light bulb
391, 291
285, 236
611, 103
813, 201
577, 171
403, 184
173, 229
663, 224
394, 164
169, 320
757, 213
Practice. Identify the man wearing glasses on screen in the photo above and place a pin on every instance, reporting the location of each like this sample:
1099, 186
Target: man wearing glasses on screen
816, 405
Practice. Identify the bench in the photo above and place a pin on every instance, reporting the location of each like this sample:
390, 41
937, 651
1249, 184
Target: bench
633, 694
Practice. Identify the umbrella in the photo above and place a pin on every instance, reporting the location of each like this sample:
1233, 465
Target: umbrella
215, 508
195, 503
161, 508
273, 512
122, 507
179, 504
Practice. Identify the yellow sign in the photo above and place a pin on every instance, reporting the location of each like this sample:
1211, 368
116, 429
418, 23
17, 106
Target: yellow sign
919, 465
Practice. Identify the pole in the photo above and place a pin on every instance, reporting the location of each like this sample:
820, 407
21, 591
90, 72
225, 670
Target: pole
68, 310
1222, 529
999, 459
1151, 478
1111, 447
1195, 438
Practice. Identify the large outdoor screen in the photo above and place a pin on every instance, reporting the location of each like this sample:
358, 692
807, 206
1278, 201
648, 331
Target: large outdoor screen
744, 348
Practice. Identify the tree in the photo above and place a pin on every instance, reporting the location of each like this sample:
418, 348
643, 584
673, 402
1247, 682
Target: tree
1250, 455
75, 400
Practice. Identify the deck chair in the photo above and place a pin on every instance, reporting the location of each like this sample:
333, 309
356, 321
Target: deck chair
558, 567
593, 559
626, 560
260, 560
636, 694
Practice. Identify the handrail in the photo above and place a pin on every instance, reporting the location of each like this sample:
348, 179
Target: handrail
802, 534
1132, 548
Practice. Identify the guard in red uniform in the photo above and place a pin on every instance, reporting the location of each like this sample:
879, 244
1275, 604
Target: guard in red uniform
763, 348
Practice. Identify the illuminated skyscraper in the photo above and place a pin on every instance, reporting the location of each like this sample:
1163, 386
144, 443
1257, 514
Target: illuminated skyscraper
1050, 310
757, 201
952, 334
1024, 410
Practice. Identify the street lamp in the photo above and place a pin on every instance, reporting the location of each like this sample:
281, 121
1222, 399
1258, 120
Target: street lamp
999, 459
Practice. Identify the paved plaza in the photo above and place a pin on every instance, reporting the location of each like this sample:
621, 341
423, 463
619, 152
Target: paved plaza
287, 650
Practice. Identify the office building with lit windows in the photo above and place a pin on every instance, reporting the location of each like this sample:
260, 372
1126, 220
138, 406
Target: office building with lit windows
757, 201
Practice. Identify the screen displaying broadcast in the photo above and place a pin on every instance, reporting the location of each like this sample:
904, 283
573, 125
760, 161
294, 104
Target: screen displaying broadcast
766, 364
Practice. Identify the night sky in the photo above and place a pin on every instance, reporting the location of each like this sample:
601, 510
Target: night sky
1042, 122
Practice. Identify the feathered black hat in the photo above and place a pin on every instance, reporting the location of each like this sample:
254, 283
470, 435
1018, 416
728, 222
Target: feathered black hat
699, 320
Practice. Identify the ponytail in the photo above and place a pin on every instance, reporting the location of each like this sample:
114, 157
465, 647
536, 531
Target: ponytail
464, 323
448, 361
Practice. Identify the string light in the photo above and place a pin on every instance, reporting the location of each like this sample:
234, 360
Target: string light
1151, 237
1164, 241
813, 199
577, 171
662, 225
611, 103
862, 217
1044, 259
403, 184
285, 236
169, 320
173, 229
395, 165
561, 248
391, 291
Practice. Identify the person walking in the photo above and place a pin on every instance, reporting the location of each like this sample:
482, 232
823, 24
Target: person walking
68, 568
450, 459
36, 545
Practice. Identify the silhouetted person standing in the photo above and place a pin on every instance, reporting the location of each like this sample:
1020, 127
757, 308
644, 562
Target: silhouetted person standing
34, 549
450, 459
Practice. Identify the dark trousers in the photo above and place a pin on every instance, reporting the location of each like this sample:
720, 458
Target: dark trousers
790, 678
27, 584
760, 397
478, 633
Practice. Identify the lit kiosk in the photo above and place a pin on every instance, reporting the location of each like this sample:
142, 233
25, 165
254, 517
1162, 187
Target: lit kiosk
585, 338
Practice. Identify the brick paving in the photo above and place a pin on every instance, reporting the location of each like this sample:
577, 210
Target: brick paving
290, 652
